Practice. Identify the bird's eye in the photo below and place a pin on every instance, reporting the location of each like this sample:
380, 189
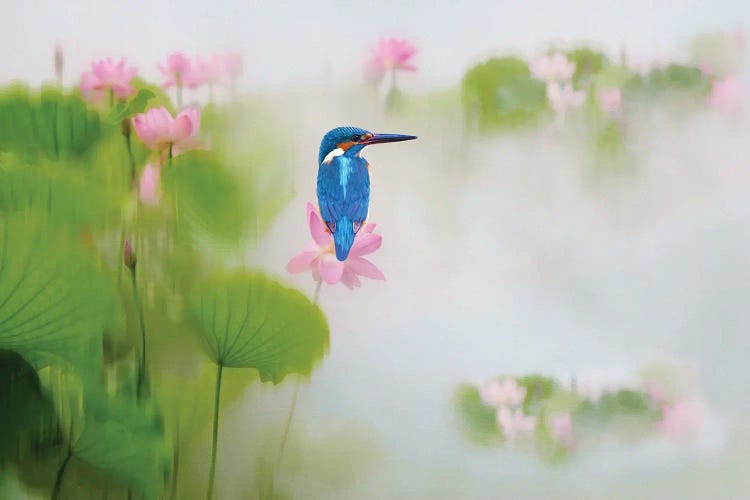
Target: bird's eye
356, 138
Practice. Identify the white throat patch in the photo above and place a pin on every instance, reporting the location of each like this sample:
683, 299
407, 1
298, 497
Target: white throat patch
333, 154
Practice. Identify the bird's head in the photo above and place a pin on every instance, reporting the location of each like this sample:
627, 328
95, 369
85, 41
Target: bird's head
351, 141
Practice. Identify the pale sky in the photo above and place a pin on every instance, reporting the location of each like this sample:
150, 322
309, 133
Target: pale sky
293, 43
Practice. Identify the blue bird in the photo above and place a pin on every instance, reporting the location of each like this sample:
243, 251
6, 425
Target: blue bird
344, 182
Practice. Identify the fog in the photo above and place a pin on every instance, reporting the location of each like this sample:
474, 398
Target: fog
505, 253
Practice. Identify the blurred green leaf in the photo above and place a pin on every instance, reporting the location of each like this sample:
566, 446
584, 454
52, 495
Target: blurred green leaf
205, 196
127, 109
588, 63
50, 123
248, 320
501, 93
479, 420
27, 415
538, 389
127, 441
64, 196
53, 301
158, 96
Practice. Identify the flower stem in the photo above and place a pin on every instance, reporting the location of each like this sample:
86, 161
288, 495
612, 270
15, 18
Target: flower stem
58, 480
179, 96
142, 323
131, 159
293, 407
217, 397
316, 294
111, 99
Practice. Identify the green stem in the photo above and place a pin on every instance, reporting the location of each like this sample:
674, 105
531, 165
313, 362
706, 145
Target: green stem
111, 99
317, 291
142, 324
179, 96
217, 397
131, 159
58, 480
293, 407
288, 424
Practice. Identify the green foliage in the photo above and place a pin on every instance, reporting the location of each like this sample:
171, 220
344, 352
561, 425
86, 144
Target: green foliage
248, 320
49, 124
27, 415
126, 441
588, 63
674, 79
63, 196
245, 140
124, 110
538, 389
53, 301
160, 96
479, 420
206, 197
501, 93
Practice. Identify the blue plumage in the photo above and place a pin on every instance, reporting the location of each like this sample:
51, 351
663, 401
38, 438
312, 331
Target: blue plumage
344, 182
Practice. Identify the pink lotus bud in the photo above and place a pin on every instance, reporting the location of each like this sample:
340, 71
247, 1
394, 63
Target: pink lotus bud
58, 62
128, 256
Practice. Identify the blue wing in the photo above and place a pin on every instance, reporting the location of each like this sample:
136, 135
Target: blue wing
344, 199
344, 191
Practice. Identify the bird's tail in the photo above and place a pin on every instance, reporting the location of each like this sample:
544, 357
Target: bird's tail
343, 238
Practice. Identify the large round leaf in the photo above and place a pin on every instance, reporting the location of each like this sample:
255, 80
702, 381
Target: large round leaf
248, 320
51, 123
53, 302
63, 196
126, 441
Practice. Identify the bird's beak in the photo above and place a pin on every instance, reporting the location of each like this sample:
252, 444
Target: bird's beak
380, 138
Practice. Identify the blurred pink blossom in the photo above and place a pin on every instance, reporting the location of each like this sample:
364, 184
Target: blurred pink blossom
513, 423
150, 185
561, 427
204, 71
680, 420
159, 131
610, 101
554, 68
108, 75
320, 258
727, 95
506, 393
389, 54
176, 70
564, 98
231, 65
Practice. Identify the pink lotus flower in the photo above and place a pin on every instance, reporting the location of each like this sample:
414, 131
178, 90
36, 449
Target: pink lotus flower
561, 427
320, 257
727, 95
205, 71
389, 55
176, 70
610, 101
150, 185
107, 75
513, 423
564, 98
159, 131
554, 68
505, 393
681, 420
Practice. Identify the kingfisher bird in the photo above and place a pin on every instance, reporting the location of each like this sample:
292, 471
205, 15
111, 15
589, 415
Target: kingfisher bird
344, 182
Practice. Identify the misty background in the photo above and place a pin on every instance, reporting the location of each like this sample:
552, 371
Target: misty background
501, 255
